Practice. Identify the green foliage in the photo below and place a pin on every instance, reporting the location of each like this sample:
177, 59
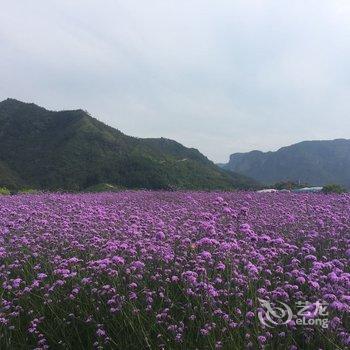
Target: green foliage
28, 191
4, 191
71, 151
333, 188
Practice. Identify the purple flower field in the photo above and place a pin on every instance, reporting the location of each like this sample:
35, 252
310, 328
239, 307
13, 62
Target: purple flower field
174, 270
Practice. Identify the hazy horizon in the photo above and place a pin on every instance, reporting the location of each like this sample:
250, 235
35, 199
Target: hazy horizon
242, 76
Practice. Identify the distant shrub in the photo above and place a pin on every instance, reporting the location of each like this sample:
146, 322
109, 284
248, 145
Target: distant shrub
289, 185
333, 188
29, 191
104, 187
4, 190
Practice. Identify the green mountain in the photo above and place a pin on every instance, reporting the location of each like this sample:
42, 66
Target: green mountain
314, 162
70, 150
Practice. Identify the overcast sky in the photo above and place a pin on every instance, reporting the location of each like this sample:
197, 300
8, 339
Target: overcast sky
221, 76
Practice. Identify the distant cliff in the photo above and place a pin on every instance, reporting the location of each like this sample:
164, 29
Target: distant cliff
313, 162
